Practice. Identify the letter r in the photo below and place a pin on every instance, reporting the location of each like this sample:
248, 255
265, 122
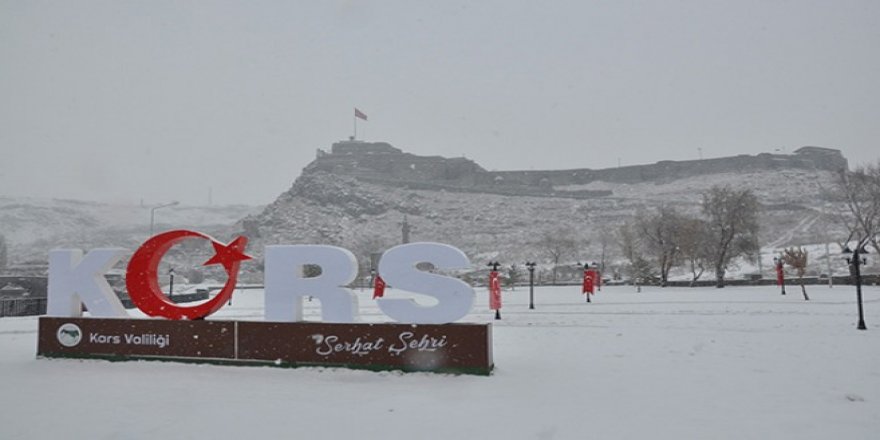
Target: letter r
286, 286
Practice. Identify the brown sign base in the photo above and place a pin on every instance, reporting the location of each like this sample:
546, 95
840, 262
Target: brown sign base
448, 348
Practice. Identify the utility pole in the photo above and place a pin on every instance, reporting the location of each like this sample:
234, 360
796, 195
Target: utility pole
828, 261
405, 230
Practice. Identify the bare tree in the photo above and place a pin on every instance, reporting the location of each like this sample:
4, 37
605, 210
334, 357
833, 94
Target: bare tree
660, 234
364, 247
194, 276
604, 242
512, 276
732, 219
557, 245
693, 236
632, 248
860, 190
797, 259
3, 253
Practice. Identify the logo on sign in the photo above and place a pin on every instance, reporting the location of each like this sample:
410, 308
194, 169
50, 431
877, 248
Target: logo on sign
69, 335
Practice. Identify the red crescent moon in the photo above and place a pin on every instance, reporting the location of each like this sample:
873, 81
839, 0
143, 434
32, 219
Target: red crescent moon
142, 280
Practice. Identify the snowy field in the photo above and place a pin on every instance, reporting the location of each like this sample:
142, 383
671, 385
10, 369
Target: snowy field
737, 363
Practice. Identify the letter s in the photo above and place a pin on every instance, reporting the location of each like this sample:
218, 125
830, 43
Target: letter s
398, 268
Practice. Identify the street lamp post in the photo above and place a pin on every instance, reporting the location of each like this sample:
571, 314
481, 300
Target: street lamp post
153, 213
531, 266
856, 260
780, 272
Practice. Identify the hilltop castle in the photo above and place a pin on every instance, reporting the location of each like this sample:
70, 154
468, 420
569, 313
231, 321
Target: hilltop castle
381, 163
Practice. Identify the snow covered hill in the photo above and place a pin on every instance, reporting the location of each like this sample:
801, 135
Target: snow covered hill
361, 199
335, 208
32, 226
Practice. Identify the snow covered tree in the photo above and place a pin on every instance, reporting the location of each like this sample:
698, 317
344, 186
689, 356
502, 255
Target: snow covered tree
732, 219
604, 243
860, 191
195, 276
797, 259
366, 248
512, 276
557, 245
693, 236
3, 253
660, 234
632, 248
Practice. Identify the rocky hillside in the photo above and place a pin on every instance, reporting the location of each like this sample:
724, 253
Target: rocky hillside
361, 196
365, 215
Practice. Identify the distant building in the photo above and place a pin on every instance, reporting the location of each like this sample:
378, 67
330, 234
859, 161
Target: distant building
12, 290
23, 286
831, 157
22, 295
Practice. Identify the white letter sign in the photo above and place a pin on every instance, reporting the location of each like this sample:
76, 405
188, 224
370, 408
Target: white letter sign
398, 269
286, 286
74, 281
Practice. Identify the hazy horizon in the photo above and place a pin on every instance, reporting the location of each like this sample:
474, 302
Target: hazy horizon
167, 100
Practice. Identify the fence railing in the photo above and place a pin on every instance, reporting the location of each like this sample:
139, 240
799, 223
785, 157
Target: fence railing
37, 306
22, 306
176, 298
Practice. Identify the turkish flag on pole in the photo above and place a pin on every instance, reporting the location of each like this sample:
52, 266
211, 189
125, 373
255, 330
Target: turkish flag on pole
359, 114
378, 287
494, 291
589, 276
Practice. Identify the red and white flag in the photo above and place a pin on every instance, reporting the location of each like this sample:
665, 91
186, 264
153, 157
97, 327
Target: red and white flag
589, 282
378, 287
494, 291
359, 114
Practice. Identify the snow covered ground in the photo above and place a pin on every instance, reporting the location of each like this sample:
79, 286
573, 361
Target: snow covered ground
736, 363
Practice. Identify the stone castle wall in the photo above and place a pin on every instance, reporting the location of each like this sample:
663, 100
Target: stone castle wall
374, 160
381, 163
672, 170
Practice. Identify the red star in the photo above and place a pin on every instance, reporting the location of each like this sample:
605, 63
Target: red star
229, 254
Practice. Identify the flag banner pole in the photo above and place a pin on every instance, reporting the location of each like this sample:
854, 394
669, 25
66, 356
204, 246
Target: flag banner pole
357, 114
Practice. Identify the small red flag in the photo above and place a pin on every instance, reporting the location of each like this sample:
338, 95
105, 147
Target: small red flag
780, 274
494, 291
589, 279
378, 287
359, 114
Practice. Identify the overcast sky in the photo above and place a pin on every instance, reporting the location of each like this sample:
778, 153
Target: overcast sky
167, 100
